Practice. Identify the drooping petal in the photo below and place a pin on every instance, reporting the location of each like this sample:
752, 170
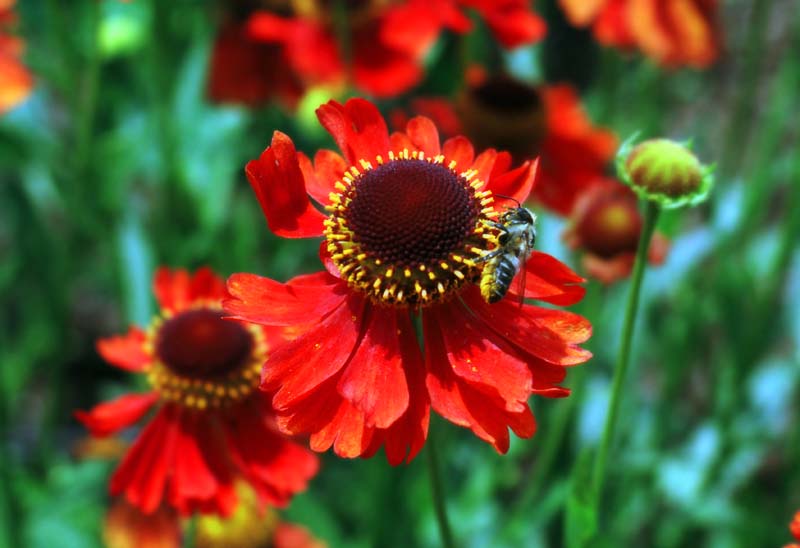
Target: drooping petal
110, 417
143, 472
424, 135
550, 280
484, 163
125, 351
551, 335
300, 366
193, 478
276, 467
357, 127
458, 402
304, 300
280, 188
478, 360
374, 380
406, 436
511, 21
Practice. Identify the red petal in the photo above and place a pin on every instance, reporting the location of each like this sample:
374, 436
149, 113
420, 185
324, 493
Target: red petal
276, 467
280, 188
171, 288
143, 472
320, 178
374, 380
484, 163
381, 70
401, 141
205, 285
478, 359
461, 404
550, 280
424, 135
511, 21
357, 127
110, 417
289, 535
459, 149
192, 477
516, 183
298, 367
551, 335
405, 437
303, 300
125, 351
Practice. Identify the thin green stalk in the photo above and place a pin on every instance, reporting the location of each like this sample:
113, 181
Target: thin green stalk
598, 473
437, 491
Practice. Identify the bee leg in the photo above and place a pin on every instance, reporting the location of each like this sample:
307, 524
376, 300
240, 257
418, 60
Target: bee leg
488, 256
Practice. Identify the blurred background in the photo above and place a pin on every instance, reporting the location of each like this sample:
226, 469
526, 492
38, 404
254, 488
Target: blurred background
120, 150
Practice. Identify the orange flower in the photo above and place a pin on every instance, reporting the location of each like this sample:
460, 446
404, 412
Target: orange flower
606, 225
16, 82
212, 426
673, 33
126, 526
794, 526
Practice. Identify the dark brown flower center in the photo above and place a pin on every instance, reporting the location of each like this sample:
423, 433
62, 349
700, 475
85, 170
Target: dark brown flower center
411, 212
407, 231
199, 344
504, 113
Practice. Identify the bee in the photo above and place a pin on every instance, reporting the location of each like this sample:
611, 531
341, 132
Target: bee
517, 226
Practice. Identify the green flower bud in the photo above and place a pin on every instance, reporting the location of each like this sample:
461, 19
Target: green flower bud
665, 172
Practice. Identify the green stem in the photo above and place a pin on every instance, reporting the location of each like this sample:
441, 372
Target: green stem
437, 491
598, 473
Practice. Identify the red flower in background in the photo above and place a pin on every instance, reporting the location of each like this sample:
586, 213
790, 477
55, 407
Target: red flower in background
794, 528
606, 225
546, 121
408, 223
674, 33
211, 426
386, 43
16, 82
249, 72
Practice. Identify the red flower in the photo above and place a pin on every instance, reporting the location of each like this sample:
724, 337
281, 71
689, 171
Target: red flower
794, 526
211, 425
249, 72
606, 224
674, 33
386, 43
409, 219
548, 121
16, 82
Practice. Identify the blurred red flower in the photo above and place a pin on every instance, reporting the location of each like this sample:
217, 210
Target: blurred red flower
674, 33
211, 426
606, 225
408, 222
250, 72
794, 526
546, 121
383, 43
16, 81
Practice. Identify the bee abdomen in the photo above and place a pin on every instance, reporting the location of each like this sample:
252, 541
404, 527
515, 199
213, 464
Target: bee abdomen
497, 277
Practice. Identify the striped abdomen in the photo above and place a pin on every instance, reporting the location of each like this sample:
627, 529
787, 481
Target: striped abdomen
497, 276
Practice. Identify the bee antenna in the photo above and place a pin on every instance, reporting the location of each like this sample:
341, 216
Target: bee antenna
508, 198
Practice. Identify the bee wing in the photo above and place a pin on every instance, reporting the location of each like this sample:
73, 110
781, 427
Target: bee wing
518, 285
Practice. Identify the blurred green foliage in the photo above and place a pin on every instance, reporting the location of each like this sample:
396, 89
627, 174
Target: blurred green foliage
118, 164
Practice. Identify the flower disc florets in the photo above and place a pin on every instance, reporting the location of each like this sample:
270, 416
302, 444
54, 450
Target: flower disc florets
665, 172
201, 360
407, 230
